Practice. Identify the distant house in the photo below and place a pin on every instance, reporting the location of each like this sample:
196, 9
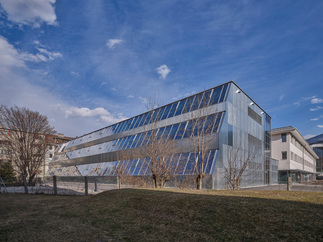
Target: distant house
317, 144
52, 142
296, 158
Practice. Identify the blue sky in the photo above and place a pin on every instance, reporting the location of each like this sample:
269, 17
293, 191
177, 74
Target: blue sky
87, 64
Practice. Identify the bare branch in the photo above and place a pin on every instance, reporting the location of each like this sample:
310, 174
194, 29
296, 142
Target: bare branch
26, 139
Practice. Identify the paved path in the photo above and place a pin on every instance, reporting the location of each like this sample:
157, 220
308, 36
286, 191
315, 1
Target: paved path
295, 187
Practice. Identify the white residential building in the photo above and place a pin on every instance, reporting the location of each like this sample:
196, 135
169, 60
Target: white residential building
296, 158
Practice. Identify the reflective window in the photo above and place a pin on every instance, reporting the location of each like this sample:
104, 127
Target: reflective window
209, 162
142, 121
217, 122
122, 126
172, 110
188, 104
129, 123
181, 130
138, 167
133, 166
284, 137
196, 102
206, 99
190, 166
137, 122
155, 115
223, 93
284, 155
180, 107
160, 114
188, 129
182, 163
215, 95
132, 123
160, 132
149, 117
173, 131
167, 131
165, 114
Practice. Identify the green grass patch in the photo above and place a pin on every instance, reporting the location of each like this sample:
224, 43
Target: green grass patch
163, 215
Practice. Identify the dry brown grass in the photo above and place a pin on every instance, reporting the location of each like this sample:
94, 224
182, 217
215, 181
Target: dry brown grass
162, 215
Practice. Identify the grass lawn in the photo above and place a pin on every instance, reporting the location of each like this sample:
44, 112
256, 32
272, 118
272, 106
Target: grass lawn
163, 215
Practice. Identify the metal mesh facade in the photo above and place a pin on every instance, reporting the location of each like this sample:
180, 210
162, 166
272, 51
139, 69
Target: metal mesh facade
94, 154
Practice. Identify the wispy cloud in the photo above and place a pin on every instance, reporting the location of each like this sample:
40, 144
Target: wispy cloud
315, 109
314, 119
75, 73
114, 89
163, 71
73, 112
130, 96
320, 126
143, 100
298, 103
308, 98
31, 12
281, 97
316, 100
10, 57
104, 83
308, 136
113, 42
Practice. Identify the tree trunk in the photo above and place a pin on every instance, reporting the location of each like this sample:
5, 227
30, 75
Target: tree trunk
30, 179
200, 182
120, 182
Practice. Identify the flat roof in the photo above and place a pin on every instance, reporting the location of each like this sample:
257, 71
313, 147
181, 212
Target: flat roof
297, 135
175, 102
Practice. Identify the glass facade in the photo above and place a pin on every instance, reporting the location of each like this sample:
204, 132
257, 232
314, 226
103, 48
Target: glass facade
319, 162
232, 120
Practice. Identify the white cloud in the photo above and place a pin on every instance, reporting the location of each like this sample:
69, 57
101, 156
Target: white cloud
43, 56
143, 100
308, 136
316, 100
100, 113
10, 57
130, 96
281, 97
75, 73
109, 119
114, 89
104, 83
73, 112
320, 126
314, 119
113, 42
298, 103
30, 12
308, 98
163, 71
315, 109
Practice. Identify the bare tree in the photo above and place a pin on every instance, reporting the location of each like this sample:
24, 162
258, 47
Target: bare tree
238, 160
121, 167
202, 124
27, 139
158, 154
158, 149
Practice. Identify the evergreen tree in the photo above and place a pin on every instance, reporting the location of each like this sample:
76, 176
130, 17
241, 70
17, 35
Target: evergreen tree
7, 173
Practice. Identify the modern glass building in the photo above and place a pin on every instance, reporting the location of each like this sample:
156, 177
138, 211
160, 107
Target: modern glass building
236, 122
317, 145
